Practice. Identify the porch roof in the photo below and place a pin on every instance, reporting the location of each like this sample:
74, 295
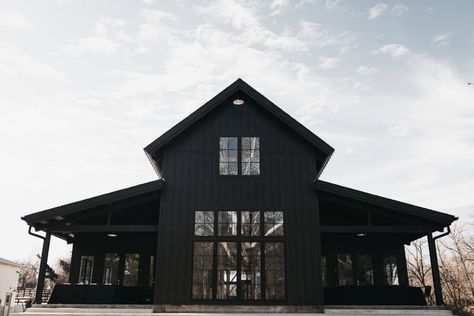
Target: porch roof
440, 218
58, 212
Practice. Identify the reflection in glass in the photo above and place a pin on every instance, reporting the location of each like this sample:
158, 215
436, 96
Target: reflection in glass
364, 274
151, 279
228, 164
227, 270
344, 269
202, 270
86, 269
250, 223
250, 156
390, 270
250, 271
204, 223
323, 270
111, 269
274, 271
227, 223
273, 223
130, 273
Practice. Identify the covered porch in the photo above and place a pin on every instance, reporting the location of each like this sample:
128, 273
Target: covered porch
363, 239
113, 237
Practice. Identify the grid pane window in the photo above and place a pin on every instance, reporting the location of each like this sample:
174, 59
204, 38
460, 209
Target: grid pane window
227, 223
202, 270
227, 270
250, 155
274, 271
250, 271
228, 164
273, 223
203, 223
250, 223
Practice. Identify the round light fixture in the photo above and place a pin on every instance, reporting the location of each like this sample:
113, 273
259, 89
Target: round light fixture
361, 235
238, 101
112, 235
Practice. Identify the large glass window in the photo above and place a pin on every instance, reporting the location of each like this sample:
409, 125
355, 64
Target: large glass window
250, 270
364, 274
344, 269
274, 271
86, 269
130, 273
228, 164
203, 223
111, 269
202, 270
227, 270
250, 156
390, 270
238, 254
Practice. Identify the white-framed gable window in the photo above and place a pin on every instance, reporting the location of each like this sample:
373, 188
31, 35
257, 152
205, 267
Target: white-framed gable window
239, 157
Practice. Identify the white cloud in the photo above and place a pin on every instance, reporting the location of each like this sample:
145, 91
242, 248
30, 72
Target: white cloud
399, 10
328, 62
366, 70
14, 19
394, 50
277, 7
377, 10
107, 38
16, 63
441, 39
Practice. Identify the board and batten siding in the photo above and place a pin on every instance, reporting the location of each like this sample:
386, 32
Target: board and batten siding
190, 169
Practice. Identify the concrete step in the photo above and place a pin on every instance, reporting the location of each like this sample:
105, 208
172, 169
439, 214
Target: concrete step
390, 311
89, 310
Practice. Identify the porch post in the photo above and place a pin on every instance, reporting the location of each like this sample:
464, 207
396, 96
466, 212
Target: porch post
435, 270
42, 268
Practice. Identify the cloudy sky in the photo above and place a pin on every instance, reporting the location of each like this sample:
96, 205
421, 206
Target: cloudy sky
85, 85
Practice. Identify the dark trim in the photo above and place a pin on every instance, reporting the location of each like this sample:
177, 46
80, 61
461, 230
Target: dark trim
435, 270
432, 215
102, 228
373, 229
239, 85
103, 199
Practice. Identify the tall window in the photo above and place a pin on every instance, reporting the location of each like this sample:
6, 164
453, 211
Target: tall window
202, 270
344, 269
130, 273
250, 156
243, 259
248, 160
111, 269
86, 269
364, 274
390, 270
228, 164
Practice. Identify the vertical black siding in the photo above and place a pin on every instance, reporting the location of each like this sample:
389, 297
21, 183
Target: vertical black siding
190, 169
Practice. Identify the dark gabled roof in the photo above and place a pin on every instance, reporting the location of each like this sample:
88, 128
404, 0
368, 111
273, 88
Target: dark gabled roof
99, 200
432, 215
240, 85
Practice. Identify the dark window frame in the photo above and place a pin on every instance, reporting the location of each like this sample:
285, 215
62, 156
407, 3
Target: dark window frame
239, 158
239, 239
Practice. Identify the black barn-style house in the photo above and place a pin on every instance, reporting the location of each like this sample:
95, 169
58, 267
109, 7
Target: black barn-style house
239, 216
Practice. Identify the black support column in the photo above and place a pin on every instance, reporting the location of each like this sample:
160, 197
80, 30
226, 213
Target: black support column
435, 270
42, 269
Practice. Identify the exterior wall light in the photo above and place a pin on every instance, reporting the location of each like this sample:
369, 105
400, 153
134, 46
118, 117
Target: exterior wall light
112, 235
238, 101
361, 235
